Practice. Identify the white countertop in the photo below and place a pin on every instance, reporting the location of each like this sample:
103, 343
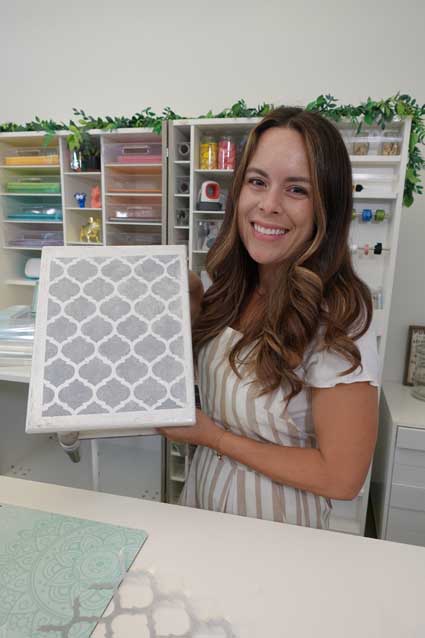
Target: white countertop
405, 409
266, 579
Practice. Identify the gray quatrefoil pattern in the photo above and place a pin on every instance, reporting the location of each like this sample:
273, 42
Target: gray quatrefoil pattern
114, 341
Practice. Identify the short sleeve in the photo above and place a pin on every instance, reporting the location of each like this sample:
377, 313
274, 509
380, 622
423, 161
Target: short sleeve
323, 369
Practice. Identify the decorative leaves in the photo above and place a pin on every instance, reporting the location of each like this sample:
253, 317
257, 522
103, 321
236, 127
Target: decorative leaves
380, 113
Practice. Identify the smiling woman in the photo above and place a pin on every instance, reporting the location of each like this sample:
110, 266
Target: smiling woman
287, 362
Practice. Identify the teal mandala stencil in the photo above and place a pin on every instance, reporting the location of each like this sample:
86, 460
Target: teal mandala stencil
51, 564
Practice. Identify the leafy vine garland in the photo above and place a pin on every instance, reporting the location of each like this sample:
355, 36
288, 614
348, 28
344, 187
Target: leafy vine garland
379, 113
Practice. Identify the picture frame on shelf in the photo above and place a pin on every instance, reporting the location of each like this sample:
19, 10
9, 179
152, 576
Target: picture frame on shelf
416, 337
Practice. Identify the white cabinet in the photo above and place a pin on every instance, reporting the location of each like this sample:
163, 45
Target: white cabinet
398, 477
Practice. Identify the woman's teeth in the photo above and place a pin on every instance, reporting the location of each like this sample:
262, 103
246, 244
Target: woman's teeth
270, 231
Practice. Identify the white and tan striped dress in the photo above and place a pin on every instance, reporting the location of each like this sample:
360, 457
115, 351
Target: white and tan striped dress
222, 484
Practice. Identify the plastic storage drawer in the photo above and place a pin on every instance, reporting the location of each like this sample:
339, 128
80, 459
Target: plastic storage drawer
143, 184
36, 239
34, 185
32, 157
136, 153
150, 212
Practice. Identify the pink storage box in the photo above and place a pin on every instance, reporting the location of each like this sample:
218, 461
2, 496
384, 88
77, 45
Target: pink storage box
140, 153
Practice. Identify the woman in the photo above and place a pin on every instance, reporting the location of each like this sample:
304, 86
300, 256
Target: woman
287, 364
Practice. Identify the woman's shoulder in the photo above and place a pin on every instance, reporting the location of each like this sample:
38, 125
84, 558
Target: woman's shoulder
325, 367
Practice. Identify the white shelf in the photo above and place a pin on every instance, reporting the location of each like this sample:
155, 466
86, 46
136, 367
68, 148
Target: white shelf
181, 227
181, 195
158, 195
182, 162
83, 243
129, 223
375, 160
29, 167
139, 169
83, 173
25, 247
94, 210
374, 196
22, 281
31, 194
32, 222
214, 171
48, 463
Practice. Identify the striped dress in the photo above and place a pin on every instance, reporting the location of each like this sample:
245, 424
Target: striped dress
224, 485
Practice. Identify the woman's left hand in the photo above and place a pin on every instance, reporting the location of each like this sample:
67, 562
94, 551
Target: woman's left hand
204, 432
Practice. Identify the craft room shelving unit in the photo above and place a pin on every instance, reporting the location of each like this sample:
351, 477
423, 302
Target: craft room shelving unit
382, 178
174, 184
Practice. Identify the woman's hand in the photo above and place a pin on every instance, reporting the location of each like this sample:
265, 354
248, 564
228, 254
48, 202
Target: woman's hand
196, 294
204, 432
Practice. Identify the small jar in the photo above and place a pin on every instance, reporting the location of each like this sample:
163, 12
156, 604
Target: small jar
226, 153
418, 389
208, 153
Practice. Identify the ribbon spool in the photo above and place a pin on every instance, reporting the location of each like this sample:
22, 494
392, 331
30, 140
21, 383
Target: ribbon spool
379, 215
377, 249
367, 215
183, 150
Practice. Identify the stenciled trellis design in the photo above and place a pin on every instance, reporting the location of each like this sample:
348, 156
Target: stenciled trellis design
112, 342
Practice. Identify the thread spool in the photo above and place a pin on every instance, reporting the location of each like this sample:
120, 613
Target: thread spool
183, 150
377, 249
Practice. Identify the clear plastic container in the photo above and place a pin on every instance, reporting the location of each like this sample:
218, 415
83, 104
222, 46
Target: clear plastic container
34, 185
391, 142
360, 143
226, 153
206, 233
138, 153
144, 184
32, 157
208, 153
36, 213
127, 237
36, 238
183, 184
142, 213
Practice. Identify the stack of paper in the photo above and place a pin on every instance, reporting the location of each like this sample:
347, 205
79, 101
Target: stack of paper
16, 336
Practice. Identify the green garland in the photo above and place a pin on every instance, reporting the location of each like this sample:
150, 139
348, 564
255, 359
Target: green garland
371, 112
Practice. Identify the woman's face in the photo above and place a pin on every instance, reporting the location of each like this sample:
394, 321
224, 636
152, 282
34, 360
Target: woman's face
275, 209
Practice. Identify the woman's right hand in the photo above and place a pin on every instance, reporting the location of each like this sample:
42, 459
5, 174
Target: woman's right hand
196, 294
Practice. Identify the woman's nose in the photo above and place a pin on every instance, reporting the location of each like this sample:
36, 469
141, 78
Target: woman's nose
270, 201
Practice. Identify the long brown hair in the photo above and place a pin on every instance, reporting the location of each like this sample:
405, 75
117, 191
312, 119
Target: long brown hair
315, 293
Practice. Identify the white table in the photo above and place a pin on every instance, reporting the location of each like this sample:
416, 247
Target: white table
266, 579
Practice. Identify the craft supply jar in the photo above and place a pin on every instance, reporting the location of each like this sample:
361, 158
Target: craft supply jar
361, 143
391, 144
418, 389
208, 153
226, 153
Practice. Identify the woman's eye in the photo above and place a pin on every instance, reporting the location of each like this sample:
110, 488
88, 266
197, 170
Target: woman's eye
298, 190
255, 181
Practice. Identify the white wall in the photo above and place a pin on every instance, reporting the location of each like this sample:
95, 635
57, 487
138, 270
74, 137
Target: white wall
119, 57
